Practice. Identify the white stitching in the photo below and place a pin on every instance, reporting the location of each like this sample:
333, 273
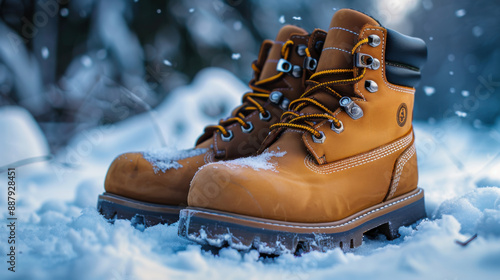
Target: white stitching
326, 227
345, 29
334, 48
358, 159
399, 169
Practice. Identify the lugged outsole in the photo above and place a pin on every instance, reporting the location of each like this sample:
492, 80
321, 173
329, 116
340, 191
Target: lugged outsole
114, 207
219, 229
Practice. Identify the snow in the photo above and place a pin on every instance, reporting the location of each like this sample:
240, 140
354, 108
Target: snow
282, 19
166, 158
167, 62
477, 31
21, 136
60, 235
429, 90
259, 162
235, 56
45, 52
460, 13
64, 12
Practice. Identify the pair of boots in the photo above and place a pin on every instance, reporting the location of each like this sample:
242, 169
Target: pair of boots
318, 154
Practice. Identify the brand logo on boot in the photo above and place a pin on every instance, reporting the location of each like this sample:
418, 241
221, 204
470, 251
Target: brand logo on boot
402, 114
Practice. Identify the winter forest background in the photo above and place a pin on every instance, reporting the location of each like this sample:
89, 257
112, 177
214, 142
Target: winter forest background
83, 81
70, 64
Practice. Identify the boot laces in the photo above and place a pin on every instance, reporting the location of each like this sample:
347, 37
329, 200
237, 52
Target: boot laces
258, 92
293, 118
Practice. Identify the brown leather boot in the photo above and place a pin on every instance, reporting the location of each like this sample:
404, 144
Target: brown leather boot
153, 187
340, 164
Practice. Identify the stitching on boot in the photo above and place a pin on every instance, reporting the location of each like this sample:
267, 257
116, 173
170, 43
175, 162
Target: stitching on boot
345, 29
327, 227
407, 155
334, 48
359, 159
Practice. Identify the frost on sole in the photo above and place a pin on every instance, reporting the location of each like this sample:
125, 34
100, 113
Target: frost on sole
267, 236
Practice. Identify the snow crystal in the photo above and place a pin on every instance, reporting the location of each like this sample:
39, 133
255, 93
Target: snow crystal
297, 18
259, 162
86, 61
166, 158
158, 11
465, 93
460, 13
451, 73
461, 114
235, 56
282, 19
429, 90
167, 62
237, 25
431, 38
64, 12
451, 57
191, 10
45, 52
428, 5
477, 31
452, 90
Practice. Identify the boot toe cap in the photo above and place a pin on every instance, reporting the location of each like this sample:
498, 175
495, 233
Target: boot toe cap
131, 175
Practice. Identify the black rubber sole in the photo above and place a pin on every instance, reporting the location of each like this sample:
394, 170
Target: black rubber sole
114, 207
220, 229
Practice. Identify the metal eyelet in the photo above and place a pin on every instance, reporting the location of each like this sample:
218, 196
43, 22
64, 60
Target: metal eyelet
301, 50
284, 66
275, 97
319, 46
310, 63
227, 138
284, 104
247, 130
320, 140
351, 108
374, 40
371, 86
338, 130
366, 61
265, 118
297, 71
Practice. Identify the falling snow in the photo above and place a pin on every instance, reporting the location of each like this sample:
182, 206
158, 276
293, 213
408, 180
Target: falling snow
235, 56
45, 52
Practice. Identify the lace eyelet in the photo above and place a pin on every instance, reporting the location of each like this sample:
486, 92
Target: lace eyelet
338, 130
265, 118
247, 130
319, 140
227, 138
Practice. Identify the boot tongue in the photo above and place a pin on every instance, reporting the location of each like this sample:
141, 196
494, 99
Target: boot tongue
342, 36
274, 55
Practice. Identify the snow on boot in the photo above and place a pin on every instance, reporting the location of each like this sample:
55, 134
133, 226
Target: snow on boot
152, 187
341, 163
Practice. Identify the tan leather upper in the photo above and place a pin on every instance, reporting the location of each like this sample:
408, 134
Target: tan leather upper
131, 175
371, 161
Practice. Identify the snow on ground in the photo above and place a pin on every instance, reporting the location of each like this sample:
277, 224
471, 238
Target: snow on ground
60, 235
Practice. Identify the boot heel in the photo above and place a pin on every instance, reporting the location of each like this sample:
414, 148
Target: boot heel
401, 217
